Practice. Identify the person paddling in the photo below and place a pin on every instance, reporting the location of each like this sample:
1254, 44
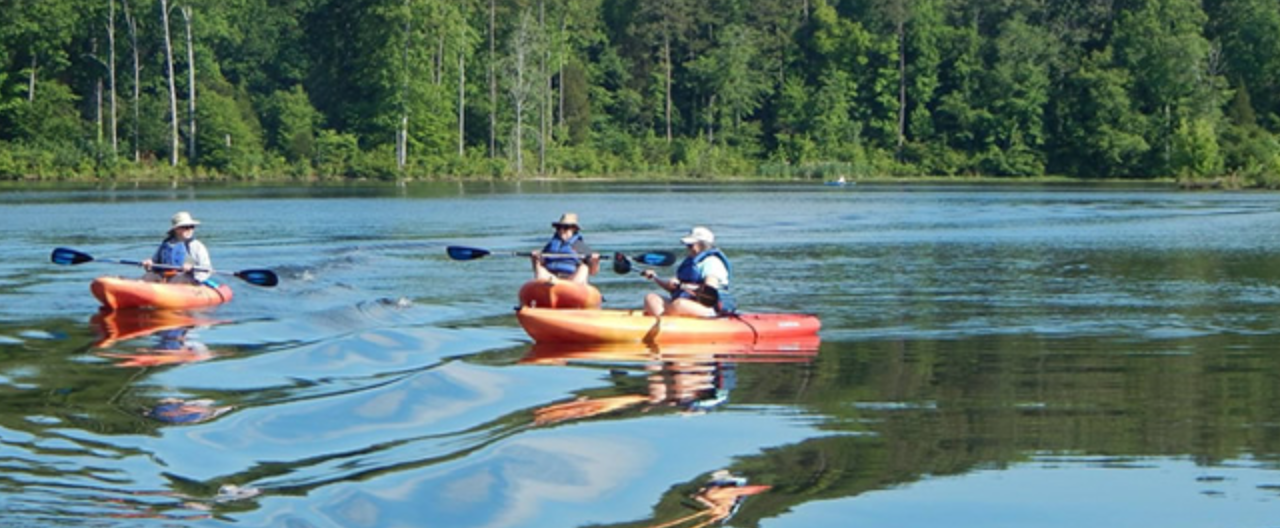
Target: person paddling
701, 285
180, 249
566, 256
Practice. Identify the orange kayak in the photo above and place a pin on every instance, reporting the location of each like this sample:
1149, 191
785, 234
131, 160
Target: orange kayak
562, 294
119, 292
633, 326
792, 350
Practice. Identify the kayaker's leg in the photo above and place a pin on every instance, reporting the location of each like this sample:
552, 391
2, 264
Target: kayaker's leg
654, 305
541, 273
691, 308
582, 274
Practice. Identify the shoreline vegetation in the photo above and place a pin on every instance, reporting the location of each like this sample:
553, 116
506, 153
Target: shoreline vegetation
1184, 91
293, 181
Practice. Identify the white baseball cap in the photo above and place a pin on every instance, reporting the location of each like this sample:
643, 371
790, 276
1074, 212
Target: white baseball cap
699, 234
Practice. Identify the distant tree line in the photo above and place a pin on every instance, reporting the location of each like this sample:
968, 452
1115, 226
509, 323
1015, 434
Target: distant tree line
391, 89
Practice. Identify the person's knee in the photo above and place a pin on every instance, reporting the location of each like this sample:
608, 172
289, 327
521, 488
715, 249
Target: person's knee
653, 304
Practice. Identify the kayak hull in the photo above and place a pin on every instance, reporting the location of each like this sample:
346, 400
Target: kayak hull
117, 292
561, 294
783, 350
633, 326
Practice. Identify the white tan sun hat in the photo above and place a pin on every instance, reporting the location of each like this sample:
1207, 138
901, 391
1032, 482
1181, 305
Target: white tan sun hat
182, 219
699, 234
567, 219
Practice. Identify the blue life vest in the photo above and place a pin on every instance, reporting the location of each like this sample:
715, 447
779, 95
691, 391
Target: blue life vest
171, 252
563, 266
690, 273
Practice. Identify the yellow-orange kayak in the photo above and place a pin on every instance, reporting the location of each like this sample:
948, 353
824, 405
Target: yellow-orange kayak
562, 294
633, 326
783, 350
119, 292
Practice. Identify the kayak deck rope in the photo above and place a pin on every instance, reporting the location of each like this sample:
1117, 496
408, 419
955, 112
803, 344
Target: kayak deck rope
755, 334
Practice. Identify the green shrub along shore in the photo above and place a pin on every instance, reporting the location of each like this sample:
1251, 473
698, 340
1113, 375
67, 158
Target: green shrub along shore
1184, 91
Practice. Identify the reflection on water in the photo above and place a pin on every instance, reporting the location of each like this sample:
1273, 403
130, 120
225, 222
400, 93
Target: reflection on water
168, 331
1018, 357
686, 377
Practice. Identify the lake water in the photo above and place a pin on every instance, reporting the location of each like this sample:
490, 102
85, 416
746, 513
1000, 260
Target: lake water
990, 356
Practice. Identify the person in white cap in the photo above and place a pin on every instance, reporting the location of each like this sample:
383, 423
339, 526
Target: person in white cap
181, 249
701, 285
566, 256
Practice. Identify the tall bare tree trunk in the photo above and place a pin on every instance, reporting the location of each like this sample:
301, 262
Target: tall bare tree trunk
402, 131
545, 96
137, 73
666, 58
111, 65
97, 101
191, 81
519, 108
31, 80
902, 84
462, 103
524, 47
173, 92
493, 83
560, 76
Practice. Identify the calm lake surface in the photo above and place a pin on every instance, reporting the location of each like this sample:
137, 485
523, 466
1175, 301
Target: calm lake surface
990, 357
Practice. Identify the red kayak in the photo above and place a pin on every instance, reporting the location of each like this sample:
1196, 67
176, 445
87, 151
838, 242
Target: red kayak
794, 350
633, 326
561, 294
119, 292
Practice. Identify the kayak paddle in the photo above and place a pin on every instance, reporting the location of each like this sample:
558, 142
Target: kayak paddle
71, 257
650, 258
704, 294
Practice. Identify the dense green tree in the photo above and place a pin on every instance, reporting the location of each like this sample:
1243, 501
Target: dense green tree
410, 88
291, 124
726, 75
1195, 149
1099, 132
1018, 94
230, 136
1162, 44
959, 116
665, 30
1249, 33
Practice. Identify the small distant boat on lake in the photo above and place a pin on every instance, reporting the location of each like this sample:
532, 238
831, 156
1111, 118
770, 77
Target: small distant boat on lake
839, 182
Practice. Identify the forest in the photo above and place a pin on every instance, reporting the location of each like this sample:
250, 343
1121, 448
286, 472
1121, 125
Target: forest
1187, 90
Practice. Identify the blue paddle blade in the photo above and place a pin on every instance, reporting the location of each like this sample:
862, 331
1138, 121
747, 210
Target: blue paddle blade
657, 258
465, 253
69, 257
260, 277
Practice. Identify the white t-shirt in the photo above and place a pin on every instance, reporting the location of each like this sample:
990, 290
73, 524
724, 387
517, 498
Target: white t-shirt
198, 256
714, 272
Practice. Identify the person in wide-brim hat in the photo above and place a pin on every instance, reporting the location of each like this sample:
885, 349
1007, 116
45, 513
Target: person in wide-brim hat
566, 256
186, 258
567, 221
